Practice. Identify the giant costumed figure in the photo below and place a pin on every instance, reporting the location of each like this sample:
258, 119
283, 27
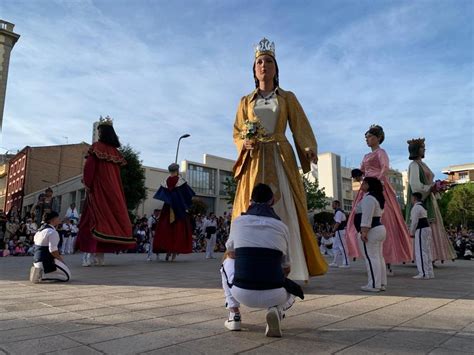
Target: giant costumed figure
105, 226
266, 156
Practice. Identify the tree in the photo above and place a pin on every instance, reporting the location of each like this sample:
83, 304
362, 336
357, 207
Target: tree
315, 197
230, 187
198, 206
133, 178
460, 209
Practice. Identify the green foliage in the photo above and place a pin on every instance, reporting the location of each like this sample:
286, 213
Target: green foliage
230, 187
198, 206
133, 178
460, 208
315, 197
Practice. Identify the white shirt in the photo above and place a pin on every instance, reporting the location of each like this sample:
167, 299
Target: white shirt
209, 223
417, 212
339, 217
327, 241
370, 208
72, 213
48, 237
260, 232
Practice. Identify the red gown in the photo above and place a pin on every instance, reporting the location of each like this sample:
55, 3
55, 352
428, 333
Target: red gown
173, 235
105, 226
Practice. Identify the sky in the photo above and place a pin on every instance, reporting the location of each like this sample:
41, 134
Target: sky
161, 69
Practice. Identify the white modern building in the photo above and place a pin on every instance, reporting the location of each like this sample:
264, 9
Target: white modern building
334, 178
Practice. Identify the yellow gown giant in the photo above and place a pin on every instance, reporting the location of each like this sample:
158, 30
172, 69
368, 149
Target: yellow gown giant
273, 162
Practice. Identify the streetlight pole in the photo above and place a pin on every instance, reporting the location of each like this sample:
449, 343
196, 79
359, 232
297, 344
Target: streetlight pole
177, 148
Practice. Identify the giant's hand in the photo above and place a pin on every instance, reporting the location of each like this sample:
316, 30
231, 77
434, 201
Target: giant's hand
311, 156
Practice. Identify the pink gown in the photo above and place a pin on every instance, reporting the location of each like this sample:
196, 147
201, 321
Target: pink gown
397, 247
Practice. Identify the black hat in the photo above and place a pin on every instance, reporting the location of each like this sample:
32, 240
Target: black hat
172, 168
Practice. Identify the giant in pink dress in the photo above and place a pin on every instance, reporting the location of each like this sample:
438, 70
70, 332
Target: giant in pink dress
397, 247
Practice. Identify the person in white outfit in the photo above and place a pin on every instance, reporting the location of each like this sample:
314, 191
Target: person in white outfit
66, 246
372, 234
420, 230
257, 263
210, 230
339, 247
48, 263
327, 242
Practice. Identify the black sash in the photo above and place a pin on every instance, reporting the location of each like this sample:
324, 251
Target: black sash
358, 220
422, 223
260, 269
42, 254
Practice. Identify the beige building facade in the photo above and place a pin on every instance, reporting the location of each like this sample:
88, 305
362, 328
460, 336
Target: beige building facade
460, 174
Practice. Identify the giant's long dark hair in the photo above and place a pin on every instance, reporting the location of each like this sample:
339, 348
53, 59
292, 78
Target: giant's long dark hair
276, 78
375, 189
108, 136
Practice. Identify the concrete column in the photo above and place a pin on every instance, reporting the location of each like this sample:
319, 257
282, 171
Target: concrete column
7, 40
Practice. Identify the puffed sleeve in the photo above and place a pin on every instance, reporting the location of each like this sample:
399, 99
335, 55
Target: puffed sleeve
302, 132
368, 205
242, 153
384, 163
415, 182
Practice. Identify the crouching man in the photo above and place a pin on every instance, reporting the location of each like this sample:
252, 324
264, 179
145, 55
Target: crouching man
257, 262
48, 264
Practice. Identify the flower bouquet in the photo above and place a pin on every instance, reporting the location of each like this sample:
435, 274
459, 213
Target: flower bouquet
441, 186
254, 131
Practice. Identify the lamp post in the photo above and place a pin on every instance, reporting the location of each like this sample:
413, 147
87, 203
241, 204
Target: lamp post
177, 148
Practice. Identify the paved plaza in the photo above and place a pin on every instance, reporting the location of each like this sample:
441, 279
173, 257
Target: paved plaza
133, 306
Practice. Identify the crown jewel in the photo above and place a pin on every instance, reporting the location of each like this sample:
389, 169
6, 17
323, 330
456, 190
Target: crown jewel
416, 141
107, 121
265, 47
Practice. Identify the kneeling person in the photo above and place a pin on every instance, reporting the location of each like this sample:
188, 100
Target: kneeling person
47, 259
257, 263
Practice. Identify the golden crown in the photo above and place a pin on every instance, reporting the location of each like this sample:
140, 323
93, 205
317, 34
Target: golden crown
265, 47
107, 121
416, 141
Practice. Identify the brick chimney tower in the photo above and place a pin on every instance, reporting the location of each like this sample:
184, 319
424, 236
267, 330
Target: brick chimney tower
7, 40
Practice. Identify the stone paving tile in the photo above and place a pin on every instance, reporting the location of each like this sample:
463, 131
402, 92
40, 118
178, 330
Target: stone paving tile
445, 351
174, 350
39, 345
80, 350
382, 345
460, 343
100, 334
148, 341
179, 308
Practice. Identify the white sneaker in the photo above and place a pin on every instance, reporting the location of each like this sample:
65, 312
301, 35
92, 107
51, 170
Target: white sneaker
344, 266
390, 273
233, 324
383, 288
86, 263
273, 323
333, 265
36, 274
369, 289
421, 277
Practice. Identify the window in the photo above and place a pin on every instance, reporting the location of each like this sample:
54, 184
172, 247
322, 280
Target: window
223, 176
463, 176
82, 197
201, 179
347, 205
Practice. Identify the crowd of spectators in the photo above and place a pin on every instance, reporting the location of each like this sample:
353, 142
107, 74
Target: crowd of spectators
463, 242
144, 225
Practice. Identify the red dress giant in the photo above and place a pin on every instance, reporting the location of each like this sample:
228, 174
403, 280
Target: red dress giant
105, 226
174, 231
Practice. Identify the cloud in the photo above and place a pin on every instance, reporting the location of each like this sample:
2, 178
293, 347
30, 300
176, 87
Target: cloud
162, 69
